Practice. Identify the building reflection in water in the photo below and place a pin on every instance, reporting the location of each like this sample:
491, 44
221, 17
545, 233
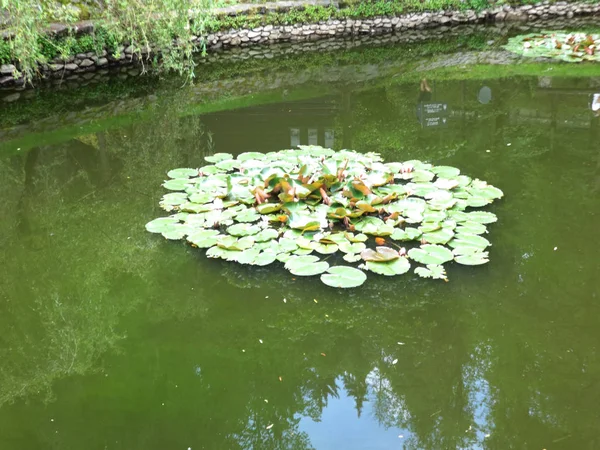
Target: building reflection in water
312, 136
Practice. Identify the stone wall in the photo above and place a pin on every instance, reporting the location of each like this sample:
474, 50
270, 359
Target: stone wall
264, 80
83, 65
381, 25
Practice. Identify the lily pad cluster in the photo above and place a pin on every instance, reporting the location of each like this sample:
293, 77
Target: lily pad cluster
571, 47
327, 213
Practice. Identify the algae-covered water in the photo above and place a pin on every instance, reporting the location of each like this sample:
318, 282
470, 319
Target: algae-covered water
114, 338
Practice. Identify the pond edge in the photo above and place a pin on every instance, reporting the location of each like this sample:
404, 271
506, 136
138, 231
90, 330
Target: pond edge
74, 65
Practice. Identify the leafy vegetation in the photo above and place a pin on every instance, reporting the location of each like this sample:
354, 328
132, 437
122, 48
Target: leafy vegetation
570, 47
145, 26
283, 206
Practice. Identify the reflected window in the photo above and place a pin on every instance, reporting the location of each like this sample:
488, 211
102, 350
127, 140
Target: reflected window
294, 137
329, 138
595, 104
485, 95
313, 136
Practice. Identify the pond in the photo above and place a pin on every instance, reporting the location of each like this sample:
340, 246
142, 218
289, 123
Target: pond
114, 338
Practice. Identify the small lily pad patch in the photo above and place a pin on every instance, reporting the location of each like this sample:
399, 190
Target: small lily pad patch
317, 211
562, 45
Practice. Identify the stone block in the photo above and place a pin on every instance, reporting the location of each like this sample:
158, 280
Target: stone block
7, 69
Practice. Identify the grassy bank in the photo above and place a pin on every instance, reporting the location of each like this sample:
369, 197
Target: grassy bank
143, 25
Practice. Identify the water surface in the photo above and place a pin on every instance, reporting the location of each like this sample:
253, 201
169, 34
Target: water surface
113, 338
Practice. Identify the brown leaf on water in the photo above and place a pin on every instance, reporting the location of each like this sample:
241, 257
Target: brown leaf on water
361, 187
323, 354
382, 254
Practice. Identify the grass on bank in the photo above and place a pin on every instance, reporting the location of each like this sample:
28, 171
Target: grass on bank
143, 25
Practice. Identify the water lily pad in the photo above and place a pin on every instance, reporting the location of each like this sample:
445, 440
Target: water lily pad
445, 171
200, 197
218, 157
182, 173
256, 257
247, 216
203, 238
444, 183
248, 256
356, 237
422, 175
351, 257
472, 240
215, 252
441, 236
470, 227
308, 270
250, 155
175, 198
243, 229
435, 271
304, 222
303, 251
326, 249
408, 234
421, 189
161, 224
228, 164
287, 245
431, 254
196, 207
433, 216
176, 231
300, 261
268, 208
477, 202
176, 184
343, 277
351, 248
429, 227
374, 226
389, 268
484, 217
284, 257
486, 192
472, 259
266, 235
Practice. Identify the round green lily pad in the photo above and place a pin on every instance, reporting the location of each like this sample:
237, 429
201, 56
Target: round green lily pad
389, 268
218, 157
343, 277
182, 173
472, 259
307, 270
161, 224
431, 254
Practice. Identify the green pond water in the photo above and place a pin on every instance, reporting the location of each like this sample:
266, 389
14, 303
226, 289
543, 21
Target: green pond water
114, 338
